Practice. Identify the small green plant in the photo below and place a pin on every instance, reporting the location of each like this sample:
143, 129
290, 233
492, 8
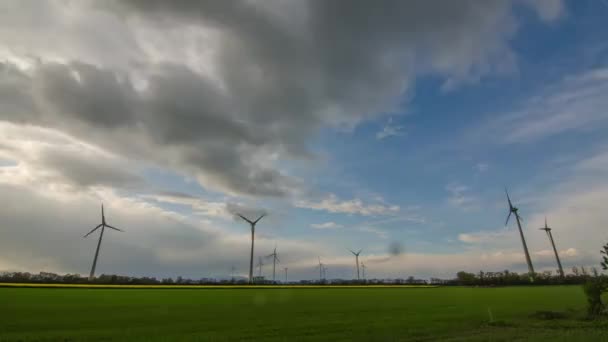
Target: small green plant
593, 290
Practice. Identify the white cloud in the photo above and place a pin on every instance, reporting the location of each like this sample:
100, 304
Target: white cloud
331, 203
198, 205
575, 104
390, 130
483, 237
326, 225
570, 252
460, 196
481, 167
378, 232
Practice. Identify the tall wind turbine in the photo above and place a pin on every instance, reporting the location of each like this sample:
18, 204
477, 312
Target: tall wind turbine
514, 210
275, 259
357, 261
559, 263
103, 226
252, 223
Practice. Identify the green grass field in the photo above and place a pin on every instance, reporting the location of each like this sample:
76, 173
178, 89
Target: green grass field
321, 314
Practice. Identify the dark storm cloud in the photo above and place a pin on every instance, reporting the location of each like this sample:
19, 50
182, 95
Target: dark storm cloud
82, 92
277, 73
85, 171
15, 96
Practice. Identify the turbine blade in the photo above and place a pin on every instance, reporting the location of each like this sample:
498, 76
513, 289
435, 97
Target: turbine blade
350, 250
259, 218
359, 252
244, 218
120, 230
94, 229
276, 257
508, 217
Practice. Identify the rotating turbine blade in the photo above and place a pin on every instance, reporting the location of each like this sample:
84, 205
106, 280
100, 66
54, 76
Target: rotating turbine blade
508, 217
508, 198
94, 229
259, 218
120, 230
244, 218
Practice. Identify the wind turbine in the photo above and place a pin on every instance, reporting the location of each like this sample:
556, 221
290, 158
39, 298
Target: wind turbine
252, 223
320, 270
103, 226
259, 265
357, 261
514, 210
275, 259
559, 263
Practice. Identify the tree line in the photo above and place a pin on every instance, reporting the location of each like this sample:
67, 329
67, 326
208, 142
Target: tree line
578, 275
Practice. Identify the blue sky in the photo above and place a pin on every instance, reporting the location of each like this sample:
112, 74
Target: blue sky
420, 160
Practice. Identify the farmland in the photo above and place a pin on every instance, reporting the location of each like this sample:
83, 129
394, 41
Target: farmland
297, 314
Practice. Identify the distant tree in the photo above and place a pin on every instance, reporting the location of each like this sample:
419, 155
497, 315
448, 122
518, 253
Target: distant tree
575, 271
465, 278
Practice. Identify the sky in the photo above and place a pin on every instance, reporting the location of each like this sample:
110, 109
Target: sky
387, 126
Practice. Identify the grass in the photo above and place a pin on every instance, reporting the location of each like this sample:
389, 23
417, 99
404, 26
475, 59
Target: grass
298, 314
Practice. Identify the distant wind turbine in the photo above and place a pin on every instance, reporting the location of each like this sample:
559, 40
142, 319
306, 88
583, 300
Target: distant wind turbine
275, 259
252, 224
102, 225
259, 265
320, 270
357, 261
363, 267
550, 235
515, 211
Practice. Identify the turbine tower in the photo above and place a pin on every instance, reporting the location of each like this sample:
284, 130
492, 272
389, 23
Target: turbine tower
357, 261
514, 210
252, 223
320, 270
275, 259
103, 226
363, 267
559, 263
259, 265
